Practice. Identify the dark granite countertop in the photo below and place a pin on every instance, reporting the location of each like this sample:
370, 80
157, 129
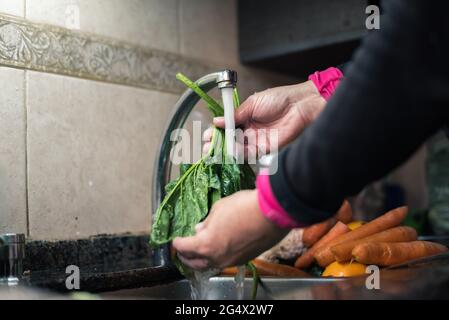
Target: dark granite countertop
105, 263
114, 263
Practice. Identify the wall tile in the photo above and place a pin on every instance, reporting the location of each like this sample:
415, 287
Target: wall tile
150, 23
12, 152
208, 30
91, 152
14, 7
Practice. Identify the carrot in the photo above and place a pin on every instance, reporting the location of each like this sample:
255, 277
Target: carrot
306, 260
344, 214
314, 233
231, 271
343, 252
388, 220
278, 270
265, 268
387, 254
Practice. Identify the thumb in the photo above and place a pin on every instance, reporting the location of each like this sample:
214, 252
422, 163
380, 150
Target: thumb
187, 246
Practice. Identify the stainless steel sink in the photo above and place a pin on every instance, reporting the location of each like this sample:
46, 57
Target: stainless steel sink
225, 288
426, 278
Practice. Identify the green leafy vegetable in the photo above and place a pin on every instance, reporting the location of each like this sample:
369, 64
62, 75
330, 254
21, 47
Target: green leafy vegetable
256, 279
189, 198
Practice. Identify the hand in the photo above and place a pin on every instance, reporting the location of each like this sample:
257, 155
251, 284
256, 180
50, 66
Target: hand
234, 233
289, 109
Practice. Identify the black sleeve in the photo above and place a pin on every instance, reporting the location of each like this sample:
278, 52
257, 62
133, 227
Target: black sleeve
395, 95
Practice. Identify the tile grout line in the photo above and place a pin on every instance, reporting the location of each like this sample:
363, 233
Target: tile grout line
178, 20
25, 102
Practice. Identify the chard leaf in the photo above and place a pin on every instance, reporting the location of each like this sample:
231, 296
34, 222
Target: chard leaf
214, 184
213, 105
192, 205
189, 198
170, 186
160, 232
230, 178
183, 168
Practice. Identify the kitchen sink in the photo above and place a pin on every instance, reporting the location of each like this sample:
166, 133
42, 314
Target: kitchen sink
225, 288
426, 278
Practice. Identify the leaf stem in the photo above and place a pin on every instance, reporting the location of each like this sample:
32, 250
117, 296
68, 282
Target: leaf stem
213, 105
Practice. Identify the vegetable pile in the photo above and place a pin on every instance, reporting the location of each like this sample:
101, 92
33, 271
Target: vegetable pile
189, 198
341, 247
347, 248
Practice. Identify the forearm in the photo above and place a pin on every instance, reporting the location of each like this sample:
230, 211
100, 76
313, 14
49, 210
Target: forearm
379, 115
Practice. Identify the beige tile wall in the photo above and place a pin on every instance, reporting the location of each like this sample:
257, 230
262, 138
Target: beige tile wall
150, 23
13, 213
91, 149
86, 166
208, 29
13, 7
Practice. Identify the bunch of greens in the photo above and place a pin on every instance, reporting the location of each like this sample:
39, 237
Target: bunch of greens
189, 198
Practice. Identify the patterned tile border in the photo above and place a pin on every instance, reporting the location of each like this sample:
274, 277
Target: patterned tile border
40, 47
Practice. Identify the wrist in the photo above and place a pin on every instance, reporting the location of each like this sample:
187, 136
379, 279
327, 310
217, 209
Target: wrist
327, 81
269, 206
311, 105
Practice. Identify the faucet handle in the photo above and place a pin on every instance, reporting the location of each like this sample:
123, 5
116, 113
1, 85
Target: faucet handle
8, 238
12, 253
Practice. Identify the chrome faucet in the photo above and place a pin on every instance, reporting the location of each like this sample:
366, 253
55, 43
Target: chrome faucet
162, 167
12, 253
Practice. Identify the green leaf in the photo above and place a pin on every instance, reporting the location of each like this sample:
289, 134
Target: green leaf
183, 168
256, 279
214, 184
213, 105
236, 98
160, 232
230, 178
189, 198
170, 186
192, 206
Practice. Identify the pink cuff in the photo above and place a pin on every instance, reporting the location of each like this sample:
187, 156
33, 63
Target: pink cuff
269, 205
326, 81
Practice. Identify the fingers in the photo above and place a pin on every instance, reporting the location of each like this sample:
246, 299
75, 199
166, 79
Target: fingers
207, 135
248, 151
242, 114
198, 264
206, 147
241, 117
200, 226
219, 122
188, 247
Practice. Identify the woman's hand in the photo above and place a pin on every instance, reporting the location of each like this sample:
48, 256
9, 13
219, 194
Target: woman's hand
288, 109
234, 233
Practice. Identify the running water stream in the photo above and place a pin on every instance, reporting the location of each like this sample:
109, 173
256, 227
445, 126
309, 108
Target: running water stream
200, 284
240, 282
228, 106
